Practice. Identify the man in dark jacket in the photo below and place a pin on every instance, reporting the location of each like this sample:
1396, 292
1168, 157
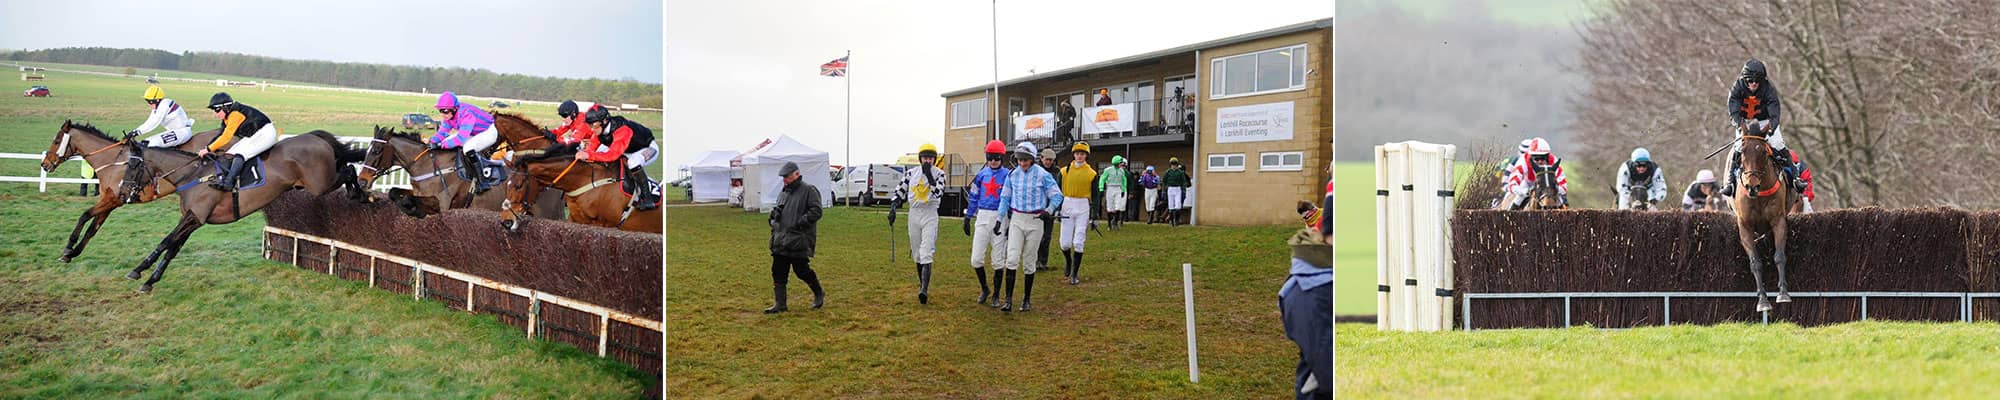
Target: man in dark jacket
1755, 110
794, 229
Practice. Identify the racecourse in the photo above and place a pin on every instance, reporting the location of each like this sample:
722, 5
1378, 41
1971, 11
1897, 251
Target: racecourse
1119, 334
224, 323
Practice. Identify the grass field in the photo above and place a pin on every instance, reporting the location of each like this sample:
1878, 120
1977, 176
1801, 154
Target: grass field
224, 323
1119, 334
1856, 360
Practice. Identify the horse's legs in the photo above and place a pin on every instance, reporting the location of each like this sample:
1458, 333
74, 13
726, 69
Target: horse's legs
1778, 257
95, 222
69, 249
1749, 239
186, 219
173, 248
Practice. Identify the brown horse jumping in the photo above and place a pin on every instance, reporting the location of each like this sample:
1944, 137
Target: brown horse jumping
1761, 206
590, 189
107, 158
314, 162
434, 182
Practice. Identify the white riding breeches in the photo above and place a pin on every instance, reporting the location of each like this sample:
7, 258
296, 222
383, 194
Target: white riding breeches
1152, 195
480, 141
923, 234
645, 156
1075, 223
256, 143
1114, 200
170, 138
985, 243
1024, 235
1174, 197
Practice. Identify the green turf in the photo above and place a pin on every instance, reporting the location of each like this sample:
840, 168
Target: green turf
1119, 334
224, 323
1857, 360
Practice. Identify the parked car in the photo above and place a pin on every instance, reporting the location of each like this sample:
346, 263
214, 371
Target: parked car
418, 120
497, 104
36, 91
867, 184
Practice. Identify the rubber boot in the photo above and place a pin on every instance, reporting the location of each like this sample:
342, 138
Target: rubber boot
778, 306
1073, 274
819, 296
1008, 306
995, 301
982, 285
1028, 294
924, 284
1735, 165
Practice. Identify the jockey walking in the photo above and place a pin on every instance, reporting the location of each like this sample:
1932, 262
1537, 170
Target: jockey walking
919, 188
238, 119
1115, 183
989, 244
467, 128
618, 137
1523, 177
175, 126
1029, 196
1641, 181
1754, 108
1077, 179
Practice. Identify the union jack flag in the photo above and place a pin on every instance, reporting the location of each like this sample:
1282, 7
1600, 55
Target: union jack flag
835, 68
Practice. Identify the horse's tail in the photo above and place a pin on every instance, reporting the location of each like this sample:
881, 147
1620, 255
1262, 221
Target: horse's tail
341, 152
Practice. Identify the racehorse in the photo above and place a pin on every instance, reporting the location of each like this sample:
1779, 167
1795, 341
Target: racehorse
107, 158
1544, 195
314, 162
434, 182
1761, 205
590, 189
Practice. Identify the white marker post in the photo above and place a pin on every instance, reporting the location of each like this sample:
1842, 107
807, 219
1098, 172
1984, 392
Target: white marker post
1187, 288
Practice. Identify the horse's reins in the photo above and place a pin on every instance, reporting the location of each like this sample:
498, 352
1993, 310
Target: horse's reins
1755, 192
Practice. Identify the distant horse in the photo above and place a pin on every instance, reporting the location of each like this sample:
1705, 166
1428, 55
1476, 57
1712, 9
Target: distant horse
314, 162
590, 189
1761, 205
434, 182
107, 157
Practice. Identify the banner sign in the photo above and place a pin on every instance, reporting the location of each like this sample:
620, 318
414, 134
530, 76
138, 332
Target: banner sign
1108, 119
1254, 123
1034, 126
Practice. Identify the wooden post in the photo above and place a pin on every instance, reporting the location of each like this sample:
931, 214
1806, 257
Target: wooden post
603, 333
371, 271
468, 295
417, 281
332, 253
534, 312
295, 251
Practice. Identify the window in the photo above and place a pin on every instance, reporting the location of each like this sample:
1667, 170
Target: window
1179, 103
1147, 103
1281, 161
1225, 162
968, 114
1271, 70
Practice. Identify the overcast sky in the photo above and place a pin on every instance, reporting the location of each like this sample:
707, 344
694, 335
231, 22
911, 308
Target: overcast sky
742, 71
610, 39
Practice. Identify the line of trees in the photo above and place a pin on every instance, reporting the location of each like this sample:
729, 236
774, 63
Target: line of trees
478, 82
1891, 103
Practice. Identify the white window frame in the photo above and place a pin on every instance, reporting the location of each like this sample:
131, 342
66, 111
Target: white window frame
1210, 166
1261, 166
956, 124
1218, 74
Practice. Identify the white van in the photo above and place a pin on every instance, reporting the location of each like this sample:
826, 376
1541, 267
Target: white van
867, 184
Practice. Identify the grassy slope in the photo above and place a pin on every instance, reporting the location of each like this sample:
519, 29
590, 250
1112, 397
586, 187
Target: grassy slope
1119, 333
1859, 360
223, 323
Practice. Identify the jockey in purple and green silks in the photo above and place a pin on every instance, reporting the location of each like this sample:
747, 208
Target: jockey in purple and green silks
465, 127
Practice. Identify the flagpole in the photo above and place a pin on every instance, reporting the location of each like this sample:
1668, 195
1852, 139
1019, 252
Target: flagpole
994, 97
848, 77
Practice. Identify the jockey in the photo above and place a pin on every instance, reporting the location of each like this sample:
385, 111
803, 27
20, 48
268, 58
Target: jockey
168, 116
236, 120
1755, 109
1701, 193
617, 137
574, 129
1641, 174
918, 189
1805, 187
1521, 178
989, 248
465, 127
1029, 196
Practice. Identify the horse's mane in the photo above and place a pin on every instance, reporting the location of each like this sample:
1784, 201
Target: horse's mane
497, 115
86, 127
393, 133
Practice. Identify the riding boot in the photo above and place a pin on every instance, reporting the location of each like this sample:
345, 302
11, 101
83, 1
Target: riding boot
1078, 271
231, 165
1068, 258
923, 286
1735, 165
982, 284
1783, 160
1028, 293
474, 165
777, 291
1008, 306
642, 196
995, 302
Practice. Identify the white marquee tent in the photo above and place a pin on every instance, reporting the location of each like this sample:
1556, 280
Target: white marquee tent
711, 175
761, 184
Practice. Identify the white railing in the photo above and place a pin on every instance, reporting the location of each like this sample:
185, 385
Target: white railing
43, 180
391, 179
1965, 309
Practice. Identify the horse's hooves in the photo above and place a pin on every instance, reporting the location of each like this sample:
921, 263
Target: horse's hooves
1784, 298
65, 259
134, 275
1763, 306
144, 289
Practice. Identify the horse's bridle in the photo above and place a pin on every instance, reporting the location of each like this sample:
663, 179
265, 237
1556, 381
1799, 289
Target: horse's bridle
1773, 184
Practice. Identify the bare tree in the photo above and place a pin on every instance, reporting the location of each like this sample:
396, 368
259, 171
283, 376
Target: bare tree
1891, 102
